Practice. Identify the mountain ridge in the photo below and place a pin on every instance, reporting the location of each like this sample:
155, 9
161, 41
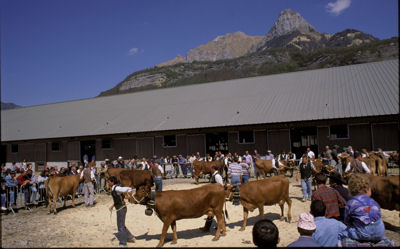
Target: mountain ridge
287, 45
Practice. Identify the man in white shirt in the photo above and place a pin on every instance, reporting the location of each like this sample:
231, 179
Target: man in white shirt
310, 154
123, 235
216, 177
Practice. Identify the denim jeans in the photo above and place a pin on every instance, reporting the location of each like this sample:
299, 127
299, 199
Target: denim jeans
34, 193
158, 182
3, 200
371, 232
80, 188
245, 178
306, 185
255, 170
184, 170
235, 180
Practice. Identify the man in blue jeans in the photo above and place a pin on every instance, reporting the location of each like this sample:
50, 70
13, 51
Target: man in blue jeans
305, 171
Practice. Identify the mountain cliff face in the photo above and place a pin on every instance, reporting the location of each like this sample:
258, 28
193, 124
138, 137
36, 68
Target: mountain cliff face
289, 21
222, 47
291, 44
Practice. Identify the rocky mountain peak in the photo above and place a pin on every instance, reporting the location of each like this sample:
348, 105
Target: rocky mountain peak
289, 21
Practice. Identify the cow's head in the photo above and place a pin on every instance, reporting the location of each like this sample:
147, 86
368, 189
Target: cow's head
141, 196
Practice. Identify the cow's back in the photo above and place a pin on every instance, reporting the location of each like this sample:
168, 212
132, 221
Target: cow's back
266, 191
191, 203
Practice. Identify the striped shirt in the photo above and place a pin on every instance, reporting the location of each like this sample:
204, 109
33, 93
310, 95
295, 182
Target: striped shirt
235, 169
245, 168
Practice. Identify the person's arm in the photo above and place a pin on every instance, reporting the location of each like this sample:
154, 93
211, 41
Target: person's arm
81, 174
161, 169
365, 167
123, 189
218, 179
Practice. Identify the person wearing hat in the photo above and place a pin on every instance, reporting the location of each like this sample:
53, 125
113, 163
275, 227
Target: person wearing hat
336, 181
306, 227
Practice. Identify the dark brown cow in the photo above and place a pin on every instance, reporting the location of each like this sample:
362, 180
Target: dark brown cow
257, 194
203, 167
264, 167
57, 186
173, 205
136, 178
385, 191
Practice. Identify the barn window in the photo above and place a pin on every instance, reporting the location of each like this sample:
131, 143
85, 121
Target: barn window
339, 131
55, 146
14, 148
106, 144
170, 141
246, 137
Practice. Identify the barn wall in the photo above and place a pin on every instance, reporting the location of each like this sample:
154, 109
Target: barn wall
125, 147
180, 148
195, 143
259, 143
278, 140
385, 136
145, 147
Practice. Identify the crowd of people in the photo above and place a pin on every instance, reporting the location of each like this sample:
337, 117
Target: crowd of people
323, 225
338, 216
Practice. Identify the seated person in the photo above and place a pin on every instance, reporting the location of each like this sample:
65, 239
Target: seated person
265, 234
306, 227
362, 213
328, 229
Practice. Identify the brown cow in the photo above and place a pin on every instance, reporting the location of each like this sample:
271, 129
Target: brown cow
264, 167
173, 205
113, 172
257, 194
385, 191
203, 167
57, 186
136, 178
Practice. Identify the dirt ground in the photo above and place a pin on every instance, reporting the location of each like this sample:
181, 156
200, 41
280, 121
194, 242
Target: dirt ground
93, 227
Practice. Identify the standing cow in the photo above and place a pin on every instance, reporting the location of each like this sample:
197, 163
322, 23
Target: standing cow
57, 186
203, 167
173, 205
257, 194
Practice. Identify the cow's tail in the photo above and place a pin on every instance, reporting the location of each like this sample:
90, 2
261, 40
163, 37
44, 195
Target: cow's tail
226, 212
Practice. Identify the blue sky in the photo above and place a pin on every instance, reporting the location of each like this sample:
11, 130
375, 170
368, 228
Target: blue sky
61, 50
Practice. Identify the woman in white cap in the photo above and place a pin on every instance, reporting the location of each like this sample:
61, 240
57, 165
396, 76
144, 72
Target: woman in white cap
306, 227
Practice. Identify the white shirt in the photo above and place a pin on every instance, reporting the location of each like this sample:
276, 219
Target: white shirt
121, 189
191, 159
366, 169
218, 178
311, 154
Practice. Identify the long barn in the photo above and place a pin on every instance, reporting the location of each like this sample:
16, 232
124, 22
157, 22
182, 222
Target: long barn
354, 105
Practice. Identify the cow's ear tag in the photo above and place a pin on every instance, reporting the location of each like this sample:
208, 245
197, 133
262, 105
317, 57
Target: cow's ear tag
367, 209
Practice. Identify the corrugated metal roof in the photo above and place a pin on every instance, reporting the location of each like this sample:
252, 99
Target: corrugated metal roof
350, 91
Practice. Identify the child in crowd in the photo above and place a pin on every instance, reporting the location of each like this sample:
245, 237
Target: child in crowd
265, 234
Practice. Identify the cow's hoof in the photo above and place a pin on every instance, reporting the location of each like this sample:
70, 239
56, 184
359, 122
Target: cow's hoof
215, 239
174, 242
289, 220
242, 229
159, 245
282, 218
